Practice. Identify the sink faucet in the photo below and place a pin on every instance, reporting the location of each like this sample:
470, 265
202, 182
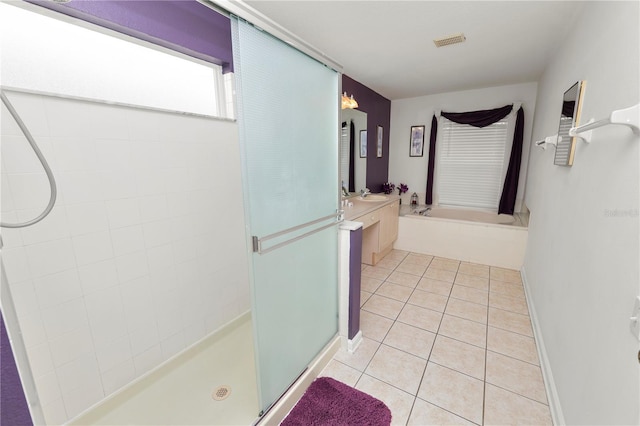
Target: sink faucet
365, 192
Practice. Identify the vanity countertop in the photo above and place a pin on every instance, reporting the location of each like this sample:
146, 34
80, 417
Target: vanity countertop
361, 207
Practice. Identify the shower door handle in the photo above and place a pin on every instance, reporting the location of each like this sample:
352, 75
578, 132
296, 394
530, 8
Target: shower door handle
257, 242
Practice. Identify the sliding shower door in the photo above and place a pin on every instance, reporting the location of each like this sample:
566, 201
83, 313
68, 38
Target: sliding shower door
288, 120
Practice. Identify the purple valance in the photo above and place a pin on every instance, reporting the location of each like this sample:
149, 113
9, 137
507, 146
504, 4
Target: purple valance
484, 118
479, 118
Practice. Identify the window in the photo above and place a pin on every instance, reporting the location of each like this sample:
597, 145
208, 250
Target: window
229, 95
471, 163
44, 54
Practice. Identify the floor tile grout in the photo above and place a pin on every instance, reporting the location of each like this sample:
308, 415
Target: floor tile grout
486, 357
452, 285
424, 370
457, 298
363, 373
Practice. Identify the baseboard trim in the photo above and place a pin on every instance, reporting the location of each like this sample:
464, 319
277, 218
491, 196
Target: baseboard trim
352, 344
552, 393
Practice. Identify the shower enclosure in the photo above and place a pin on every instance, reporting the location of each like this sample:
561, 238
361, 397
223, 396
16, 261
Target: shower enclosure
132, 265
145, 262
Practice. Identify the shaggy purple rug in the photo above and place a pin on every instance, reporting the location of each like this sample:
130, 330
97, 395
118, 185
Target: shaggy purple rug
330, 402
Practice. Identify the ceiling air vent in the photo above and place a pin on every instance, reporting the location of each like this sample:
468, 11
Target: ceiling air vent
452, 39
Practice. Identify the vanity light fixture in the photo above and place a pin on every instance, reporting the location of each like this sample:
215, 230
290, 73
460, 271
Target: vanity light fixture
450, 39
348, 102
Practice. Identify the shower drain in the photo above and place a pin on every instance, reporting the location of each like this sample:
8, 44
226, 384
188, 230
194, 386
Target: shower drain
221, 393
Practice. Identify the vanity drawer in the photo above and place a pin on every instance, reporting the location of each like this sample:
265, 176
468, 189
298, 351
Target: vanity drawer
369, 219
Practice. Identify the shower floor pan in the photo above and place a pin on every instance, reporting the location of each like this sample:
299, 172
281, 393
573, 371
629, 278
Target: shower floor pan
183, 391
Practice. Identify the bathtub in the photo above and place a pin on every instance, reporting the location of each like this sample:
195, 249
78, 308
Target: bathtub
463, 234
470, 215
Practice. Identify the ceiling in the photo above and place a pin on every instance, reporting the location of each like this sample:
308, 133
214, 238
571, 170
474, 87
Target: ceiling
388, 45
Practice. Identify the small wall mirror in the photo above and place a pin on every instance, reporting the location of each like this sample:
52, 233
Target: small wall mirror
569, 117
353, 150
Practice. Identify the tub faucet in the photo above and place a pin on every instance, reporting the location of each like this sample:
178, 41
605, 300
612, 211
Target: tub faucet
365, 192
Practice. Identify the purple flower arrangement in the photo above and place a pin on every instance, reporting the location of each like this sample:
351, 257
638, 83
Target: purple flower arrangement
388, 187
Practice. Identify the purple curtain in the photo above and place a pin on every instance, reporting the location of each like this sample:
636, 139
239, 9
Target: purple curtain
568, 107
484, 118
432, 159
510, 187
352, 157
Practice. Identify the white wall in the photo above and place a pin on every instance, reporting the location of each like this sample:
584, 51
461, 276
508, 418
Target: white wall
581, 265
144, 253
419, 111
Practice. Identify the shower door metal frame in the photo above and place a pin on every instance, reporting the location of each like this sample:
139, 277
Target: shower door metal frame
294, 266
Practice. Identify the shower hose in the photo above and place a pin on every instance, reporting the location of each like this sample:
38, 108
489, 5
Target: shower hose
43, 161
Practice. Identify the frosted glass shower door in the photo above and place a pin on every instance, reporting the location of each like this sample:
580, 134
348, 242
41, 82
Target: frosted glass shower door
288, 121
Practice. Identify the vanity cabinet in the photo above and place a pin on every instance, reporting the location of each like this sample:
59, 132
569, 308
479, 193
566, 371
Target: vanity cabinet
388, 229
379, 231
369, 219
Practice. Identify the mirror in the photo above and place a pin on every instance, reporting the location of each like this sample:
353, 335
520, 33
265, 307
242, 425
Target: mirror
353, 156
570, 117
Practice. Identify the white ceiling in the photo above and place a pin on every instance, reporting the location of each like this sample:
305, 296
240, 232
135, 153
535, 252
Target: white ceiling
388, 45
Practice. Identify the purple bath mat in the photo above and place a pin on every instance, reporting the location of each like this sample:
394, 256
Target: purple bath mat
330, 402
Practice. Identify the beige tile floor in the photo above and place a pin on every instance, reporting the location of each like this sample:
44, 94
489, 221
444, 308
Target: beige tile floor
445, 342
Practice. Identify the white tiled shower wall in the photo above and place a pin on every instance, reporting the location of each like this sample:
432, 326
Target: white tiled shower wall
144, 253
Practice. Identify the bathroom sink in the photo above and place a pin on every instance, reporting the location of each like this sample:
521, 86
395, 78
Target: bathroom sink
374, 197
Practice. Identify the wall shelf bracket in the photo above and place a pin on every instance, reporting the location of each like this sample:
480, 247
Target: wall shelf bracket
549, 140
585, 135
629, 117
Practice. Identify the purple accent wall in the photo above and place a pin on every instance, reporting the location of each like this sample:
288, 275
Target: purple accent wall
13, 404
378, 109
355, 275
186, 26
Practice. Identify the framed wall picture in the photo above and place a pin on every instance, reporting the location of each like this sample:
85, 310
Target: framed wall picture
416, 147
363, 144
379, 144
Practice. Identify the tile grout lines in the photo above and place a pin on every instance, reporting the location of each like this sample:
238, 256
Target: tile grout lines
486, 352
405, 300
434, 343
415, 397
436, 333
424, 371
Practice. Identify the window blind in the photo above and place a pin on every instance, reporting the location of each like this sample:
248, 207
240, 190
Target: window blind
470, 164
563, 150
